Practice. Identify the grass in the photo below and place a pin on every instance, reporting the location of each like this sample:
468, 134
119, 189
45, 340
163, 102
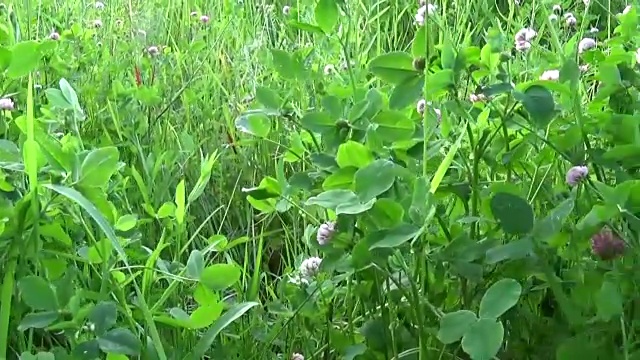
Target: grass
160, 206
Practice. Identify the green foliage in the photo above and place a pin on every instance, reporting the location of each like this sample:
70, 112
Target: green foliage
333, 179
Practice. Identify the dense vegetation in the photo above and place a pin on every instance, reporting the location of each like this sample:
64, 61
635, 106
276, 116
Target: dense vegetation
326, 179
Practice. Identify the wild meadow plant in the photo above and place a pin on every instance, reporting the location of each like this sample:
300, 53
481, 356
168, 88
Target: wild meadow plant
335, 179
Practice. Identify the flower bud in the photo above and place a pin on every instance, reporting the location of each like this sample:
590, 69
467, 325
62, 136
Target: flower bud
576, 174
310, 267
6, 104
325, 232
606, 245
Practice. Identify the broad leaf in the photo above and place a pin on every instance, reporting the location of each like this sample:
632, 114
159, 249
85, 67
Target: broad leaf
37, 293
513, 213
120, 341
374, 179
454, 325
499, 298
483, 339
220, 276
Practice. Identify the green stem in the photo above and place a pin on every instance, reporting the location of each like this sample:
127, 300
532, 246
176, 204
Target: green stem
6, 296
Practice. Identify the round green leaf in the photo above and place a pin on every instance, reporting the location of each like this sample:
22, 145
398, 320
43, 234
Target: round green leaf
341, 201
195, 264
267, 97
354, 154
375, 179
205, 315
39, 320
256, 124
318, 122
609, 302
385, 213
326, 15
98, 167
24, 60
103, 316
88, 350
407, 93
126, 222
287, 65
538, 102
499, 298
419, 42
341, 179
37, 293
454, 325
598, 215
483, 339
393, 67
120, 341
392, 238
512, 250
220, 276
440, 80
512, 212
392, 126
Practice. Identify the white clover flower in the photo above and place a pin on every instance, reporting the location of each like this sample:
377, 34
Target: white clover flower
286, 10
99, 5
570, 21
553, 17
425, 10
54, 35
586, 44
97, 23
310, 267
576, 174
194, 14
526, 34
329, 69
438, 113
153, 50
557, 8
325, 232
594, 30
6, 104
477, 97
297, 356
421, 106
298, 280
523, 45
550, 75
